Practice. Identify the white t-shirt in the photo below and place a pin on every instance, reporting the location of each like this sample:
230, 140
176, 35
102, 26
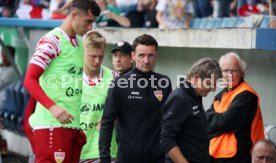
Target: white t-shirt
174, 12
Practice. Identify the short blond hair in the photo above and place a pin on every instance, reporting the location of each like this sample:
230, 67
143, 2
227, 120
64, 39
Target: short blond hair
94, 39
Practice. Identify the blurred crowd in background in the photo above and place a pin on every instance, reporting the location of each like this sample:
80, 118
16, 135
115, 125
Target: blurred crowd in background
163, 14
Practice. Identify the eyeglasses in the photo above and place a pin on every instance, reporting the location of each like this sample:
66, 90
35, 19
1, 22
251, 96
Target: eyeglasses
230, 71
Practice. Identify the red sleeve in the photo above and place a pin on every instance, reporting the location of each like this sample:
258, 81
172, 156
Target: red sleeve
26, 125
31, 83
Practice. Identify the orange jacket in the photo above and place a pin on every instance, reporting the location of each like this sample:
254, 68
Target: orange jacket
225, 145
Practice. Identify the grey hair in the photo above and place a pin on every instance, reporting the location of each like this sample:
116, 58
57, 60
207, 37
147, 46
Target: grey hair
242, 64
204, 68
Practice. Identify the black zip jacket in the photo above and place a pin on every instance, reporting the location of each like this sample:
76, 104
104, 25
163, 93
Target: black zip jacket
137, 112
184, 125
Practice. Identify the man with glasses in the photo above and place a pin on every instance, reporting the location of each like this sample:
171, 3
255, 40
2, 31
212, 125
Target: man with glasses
234, 120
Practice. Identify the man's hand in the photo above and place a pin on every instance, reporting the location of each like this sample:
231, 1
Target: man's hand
98, 127
63, 116
176, 155
108, 14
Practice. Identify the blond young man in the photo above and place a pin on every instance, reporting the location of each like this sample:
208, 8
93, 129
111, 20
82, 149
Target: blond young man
96, 81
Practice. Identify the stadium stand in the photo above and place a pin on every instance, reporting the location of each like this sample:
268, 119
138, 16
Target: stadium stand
265, 22
256, 21
32, 23
228, 22
14, 106
196, 23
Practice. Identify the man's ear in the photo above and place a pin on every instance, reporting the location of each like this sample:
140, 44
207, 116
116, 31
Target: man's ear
74, 14
133, 56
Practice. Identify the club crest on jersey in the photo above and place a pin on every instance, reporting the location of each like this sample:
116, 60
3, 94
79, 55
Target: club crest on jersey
159, 95
59, 156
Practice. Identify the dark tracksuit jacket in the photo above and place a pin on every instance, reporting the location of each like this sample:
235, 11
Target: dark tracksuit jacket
184, 125
237, 118
137, 112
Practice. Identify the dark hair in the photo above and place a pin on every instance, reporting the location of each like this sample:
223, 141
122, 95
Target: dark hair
86, 5
11, 50
144, 39
204, 68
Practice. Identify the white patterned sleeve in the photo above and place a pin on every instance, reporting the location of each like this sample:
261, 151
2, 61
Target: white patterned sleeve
47, 49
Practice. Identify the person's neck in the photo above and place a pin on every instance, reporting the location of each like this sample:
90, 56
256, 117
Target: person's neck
152, 5
66, 27
141, 71
229, 89
234, 87
125, 71
92, 74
